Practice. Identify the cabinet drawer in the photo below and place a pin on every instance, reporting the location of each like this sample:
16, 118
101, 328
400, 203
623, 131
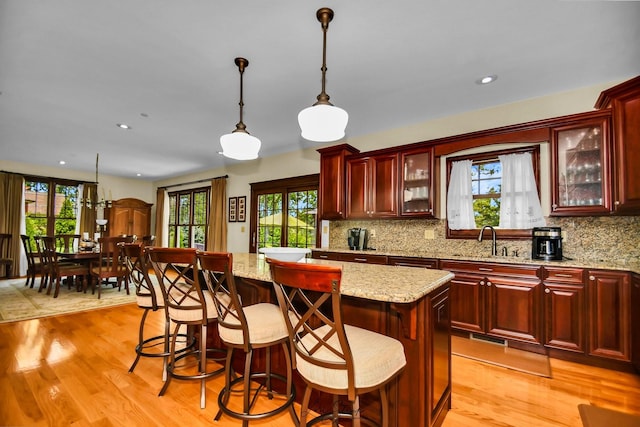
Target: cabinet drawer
324, 255
363, 258
491, 269
413, 262
563, 275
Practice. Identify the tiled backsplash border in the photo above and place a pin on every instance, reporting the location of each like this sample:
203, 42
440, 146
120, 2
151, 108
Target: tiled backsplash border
586, 238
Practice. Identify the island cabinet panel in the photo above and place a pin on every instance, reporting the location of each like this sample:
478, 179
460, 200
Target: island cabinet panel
331, 197
372, 186
498, 300
610, 314
564, 309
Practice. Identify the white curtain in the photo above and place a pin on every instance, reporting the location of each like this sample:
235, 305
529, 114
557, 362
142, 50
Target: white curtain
459, 197
519, 202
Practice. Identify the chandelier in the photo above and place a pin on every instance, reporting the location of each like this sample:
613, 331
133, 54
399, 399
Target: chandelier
323, 122
98, 202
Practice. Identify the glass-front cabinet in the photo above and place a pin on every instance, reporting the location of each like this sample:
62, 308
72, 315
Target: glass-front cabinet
416, 188
581, 165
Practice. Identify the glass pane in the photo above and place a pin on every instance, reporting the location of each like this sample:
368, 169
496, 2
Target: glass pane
580, 166
199, 235
36, 207
486, 212
301, 219
184, 209
270, 220
172, 209
172, 237
182, 240
200, 207
415, 192
65, 209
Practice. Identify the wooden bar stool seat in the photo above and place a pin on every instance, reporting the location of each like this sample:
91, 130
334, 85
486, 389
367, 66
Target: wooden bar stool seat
330, 356
248, 328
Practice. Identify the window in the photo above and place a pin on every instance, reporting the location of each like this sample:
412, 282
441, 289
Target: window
486, 183
188, 218
284, 213
51, 206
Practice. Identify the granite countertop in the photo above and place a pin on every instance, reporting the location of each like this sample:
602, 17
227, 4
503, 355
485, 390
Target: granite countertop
600, 264
375, 282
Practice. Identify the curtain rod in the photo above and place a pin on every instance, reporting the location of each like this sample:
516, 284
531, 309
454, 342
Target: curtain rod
193, 182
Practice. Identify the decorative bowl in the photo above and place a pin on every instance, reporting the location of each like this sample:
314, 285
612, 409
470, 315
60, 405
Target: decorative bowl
285, 254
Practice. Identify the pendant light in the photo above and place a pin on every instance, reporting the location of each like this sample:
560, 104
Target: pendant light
239, 145
323, 122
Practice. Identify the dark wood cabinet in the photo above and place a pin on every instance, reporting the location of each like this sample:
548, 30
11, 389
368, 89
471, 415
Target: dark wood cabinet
129, 216
609, 312
372, 186
624, 102
564, 309
498, 300
363, 258
635, 321
331, 197
581, 163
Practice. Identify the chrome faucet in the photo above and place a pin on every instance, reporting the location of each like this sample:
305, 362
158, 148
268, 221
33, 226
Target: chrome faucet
494, 246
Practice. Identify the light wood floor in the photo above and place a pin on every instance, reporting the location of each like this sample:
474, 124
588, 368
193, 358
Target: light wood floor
72, 370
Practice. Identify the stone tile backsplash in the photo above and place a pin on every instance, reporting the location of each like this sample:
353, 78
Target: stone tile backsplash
586, 238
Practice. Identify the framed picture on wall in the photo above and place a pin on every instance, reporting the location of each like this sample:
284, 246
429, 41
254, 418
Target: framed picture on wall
233, 209
242, 202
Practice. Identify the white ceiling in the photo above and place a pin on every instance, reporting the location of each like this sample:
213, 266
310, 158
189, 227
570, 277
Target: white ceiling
71, 69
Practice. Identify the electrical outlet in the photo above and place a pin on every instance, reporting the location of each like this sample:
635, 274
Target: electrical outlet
429, 234
372, 233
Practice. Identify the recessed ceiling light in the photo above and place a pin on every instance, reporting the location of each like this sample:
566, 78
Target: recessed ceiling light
123, 126
487, 79
62, 162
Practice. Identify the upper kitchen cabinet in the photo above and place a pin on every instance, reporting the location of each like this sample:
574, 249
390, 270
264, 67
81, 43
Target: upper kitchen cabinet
331, 200
416, 183
581, 179
372, 186
624, 102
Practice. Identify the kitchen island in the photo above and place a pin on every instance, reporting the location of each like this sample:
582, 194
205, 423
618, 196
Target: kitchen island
409, 304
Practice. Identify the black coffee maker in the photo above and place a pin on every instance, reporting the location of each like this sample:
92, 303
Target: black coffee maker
547, 243
357, 239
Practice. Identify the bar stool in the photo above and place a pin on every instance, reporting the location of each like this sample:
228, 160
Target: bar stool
149, 298
247, 328
330, 356
187, 305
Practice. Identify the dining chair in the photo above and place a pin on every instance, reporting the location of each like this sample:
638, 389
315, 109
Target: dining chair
188, 305
331, 356
67, 242
149, 240
5, 258
57, 270
247, 328
34, 264
109, 264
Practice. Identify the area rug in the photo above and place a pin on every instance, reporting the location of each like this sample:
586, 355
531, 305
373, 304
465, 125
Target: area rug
18, 302
500, 355
593, 416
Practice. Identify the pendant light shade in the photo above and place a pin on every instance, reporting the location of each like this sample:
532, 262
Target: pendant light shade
323, 122
239, 144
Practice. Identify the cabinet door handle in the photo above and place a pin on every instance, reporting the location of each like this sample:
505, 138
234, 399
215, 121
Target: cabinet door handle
485, 269
324, 256
563, 275
360, 259
592, 278
482, 283
488, 283
547, 291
